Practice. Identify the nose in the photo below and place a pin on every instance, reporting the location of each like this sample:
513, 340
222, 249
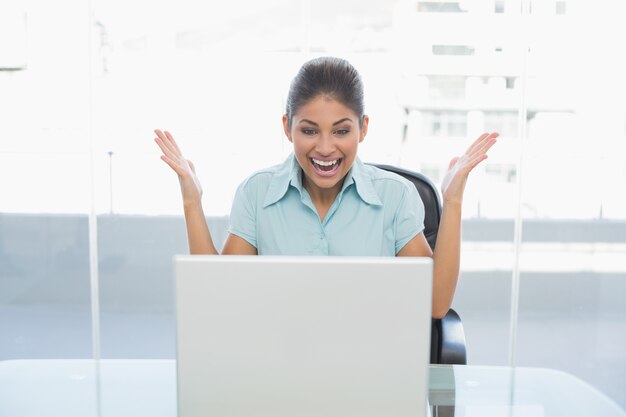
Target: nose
325, 145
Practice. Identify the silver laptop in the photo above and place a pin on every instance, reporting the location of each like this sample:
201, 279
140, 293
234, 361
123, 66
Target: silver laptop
263, 336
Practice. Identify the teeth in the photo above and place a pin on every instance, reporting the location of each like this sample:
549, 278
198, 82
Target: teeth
325, 163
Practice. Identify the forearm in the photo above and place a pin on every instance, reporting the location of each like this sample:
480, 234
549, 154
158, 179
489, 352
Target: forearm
198, 235
446, 259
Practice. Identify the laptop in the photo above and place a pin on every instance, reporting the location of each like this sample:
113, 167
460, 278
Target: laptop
265, 336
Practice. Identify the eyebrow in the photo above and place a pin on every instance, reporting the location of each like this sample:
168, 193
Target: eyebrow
345, 119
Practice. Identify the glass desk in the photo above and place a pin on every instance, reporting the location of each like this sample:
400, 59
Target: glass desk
138, 388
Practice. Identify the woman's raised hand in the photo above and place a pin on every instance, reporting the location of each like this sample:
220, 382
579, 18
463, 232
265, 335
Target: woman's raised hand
453, 184
189, 184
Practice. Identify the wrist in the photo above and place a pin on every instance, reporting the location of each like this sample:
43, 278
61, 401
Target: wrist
452, 205
192, 205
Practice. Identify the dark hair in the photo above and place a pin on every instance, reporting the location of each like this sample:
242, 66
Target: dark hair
328, 76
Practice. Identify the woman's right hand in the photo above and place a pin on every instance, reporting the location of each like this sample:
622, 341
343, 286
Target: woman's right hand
189, 184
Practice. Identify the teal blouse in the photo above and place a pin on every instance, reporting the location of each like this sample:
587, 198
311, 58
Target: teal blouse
376, 213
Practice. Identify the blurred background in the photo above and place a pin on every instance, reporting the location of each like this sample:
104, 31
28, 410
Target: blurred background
90, 217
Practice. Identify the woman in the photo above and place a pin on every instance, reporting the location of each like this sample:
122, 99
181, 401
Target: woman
323, 200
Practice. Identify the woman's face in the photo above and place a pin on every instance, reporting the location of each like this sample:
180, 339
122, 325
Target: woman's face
325, 136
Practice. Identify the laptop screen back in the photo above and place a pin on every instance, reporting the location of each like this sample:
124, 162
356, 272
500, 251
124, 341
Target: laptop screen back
302, 336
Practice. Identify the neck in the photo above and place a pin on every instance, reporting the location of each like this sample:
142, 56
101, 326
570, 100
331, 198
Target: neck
321, 196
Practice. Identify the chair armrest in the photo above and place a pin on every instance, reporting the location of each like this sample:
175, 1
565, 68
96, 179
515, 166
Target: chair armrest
448, 340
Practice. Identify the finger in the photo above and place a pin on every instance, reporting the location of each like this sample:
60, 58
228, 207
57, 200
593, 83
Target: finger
168, 142
171, 138
483, 146
159, 134
453, 161
486, 145
172, 163
162, 145
166, 150
478, 143
192, 166
472, 163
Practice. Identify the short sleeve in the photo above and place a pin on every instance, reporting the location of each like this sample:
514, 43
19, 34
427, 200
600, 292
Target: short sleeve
409, 219
243, 215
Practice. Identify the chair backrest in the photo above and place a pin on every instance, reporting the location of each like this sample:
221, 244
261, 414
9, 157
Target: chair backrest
430, 197
447, 343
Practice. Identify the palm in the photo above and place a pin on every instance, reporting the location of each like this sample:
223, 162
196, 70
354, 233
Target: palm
453, 184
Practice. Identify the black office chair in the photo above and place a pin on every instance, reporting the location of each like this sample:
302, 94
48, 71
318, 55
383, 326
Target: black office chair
447, 344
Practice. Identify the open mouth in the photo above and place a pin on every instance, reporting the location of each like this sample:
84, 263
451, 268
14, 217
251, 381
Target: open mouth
326, 168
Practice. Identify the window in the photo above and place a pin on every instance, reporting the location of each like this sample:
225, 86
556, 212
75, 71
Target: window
447, 87
506, 123
12, 38
439, 7
501, 172
445, 124
452, 50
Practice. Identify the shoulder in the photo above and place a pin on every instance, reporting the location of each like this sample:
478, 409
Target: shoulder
267, 182
392, 190
386, 181
262, 177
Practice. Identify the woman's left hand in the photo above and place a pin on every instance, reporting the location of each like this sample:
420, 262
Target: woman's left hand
453, 184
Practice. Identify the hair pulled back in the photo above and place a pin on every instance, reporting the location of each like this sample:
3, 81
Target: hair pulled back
333, 77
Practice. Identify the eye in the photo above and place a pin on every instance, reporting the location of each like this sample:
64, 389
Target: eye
309, 132
342, 132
